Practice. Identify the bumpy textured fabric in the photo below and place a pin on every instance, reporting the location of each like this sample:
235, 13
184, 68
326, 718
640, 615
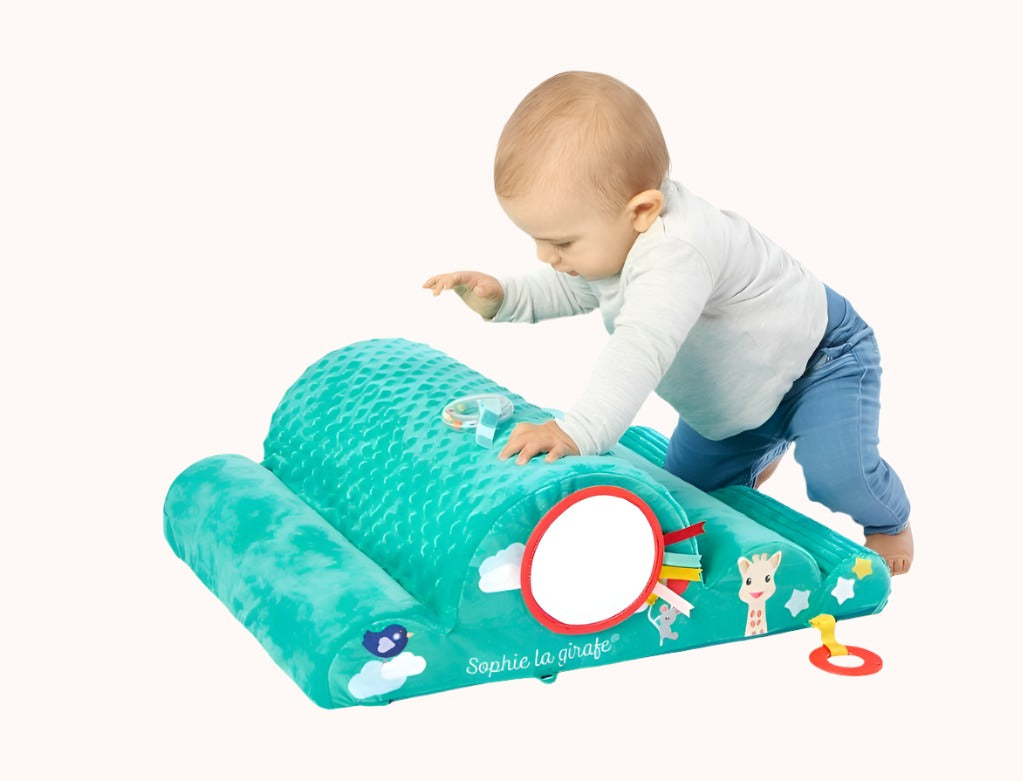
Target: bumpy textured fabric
360, 438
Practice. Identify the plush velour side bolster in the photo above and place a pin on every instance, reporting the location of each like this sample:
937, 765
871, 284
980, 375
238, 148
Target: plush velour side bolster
730, 532
292, 579
854, 579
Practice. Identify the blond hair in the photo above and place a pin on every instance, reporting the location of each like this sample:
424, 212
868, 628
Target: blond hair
586, 129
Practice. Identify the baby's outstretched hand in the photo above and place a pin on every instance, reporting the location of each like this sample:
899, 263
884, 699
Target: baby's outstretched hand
481, 292
529, 439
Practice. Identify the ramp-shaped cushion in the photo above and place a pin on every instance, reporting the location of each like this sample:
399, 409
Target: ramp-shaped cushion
359, 437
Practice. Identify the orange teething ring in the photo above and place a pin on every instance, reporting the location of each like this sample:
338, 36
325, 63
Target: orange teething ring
871, 661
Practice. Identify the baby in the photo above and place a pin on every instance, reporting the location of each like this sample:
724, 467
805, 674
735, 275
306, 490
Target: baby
750, 348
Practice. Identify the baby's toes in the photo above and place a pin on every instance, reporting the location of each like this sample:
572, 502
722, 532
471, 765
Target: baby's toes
898, 565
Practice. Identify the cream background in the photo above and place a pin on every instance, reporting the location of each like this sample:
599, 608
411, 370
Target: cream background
197, 200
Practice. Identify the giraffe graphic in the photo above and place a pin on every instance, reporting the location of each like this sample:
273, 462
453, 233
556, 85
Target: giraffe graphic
757, 587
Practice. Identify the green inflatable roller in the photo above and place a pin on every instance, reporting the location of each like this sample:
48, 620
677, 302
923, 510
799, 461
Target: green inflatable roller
382, 551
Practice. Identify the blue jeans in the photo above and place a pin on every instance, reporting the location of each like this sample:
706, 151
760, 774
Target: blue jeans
831, 414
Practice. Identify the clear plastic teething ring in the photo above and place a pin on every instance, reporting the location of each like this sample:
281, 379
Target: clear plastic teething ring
464, 413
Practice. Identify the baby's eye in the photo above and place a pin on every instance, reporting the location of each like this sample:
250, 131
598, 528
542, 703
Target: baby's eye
564, 245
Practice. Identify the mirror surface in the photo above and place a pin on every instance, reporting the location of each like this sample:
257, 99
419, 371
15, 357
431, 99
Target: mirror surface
595, 560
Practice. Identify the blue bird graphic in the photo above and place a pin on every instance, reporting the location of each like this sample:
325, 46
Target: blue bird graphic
390, 642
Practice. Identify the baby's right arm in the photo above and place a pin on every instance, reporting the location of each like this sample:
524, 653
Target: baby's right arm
481, 292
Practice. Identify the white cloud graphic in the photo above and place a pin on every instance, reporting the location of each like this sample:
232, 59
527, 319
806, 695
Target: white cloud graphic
369, 682
383, 677
500, 572
404, 665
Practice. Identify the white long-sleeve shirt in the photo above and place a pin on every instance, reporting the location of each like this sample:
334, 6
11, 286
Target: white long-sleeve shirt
708, 312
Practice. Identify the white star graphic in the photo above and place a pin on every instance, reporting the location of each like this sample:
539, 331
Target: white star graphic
844, 590
798, 602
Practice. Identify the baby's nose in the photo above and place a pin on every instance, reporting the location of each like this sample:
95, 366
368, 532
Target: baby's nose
545, 251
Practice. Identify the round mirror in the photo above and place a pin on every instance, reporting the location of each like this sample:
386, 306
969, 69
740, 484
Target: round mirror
592, 561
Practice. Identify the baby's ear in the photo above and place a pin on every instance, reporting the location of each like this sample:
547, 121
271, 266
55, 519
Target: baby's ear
644, 208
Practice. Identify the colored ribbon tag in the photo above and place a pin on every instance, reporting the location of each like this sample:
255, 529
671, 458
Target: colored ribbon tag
489, 417
691, 560
681, 605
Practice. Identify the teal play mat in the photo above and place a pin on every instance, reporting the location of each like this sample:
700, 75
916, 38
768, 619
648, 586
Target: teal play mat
378, 552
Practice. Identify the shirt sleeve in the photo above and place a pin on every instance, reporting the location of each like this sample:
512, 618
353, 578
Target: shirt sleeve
664, 295
544, 294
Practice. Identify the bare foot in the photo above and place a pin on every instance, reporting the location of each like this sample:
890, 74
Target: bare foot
895, 549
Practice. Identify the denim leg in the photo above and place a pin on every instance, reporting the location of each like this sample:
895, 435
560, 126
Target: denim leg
710, 464
833, 420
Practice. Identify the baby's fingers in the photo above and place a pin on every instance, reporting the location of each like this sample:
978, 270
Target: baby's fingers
556, 452
439, 283
510, 449
515, 442
525, 440
529, 450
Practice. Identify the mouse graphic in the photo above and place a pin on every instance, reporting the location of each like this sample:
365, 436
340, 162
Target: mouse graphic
663, 622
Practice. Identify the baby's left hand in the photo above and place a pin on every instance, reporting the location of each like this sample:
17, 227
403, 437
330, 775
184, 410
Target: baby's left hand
529, 439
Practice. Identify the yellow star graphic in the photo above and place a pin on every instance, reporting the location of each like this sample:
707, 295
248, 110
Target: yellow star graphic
862, 568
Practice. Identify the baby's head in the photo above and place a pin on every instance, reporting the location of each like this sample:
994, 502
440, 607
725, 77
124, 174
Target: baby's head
578, 167
586, 132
